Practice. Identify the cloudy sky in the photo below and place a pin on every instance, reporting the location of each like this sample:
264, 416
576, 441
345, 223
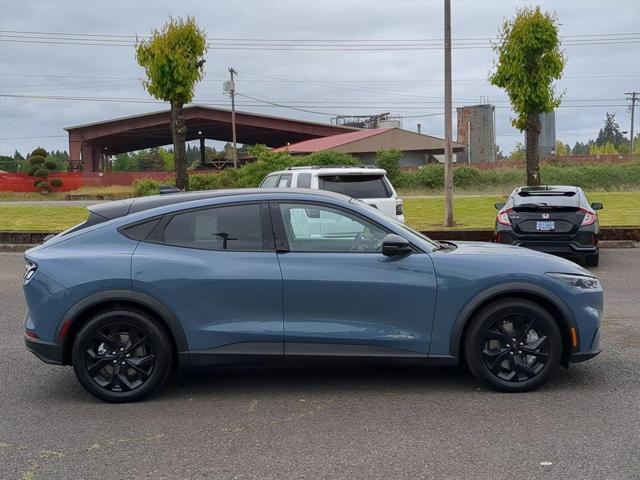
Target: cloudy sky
319, 58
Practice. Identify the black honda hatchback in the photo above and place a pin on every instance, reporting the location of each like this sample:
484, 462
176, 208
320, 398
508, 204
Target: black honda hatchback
551, 219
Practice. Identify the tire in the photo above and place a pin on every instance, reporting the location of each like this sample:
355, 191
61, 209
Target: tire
499, 362
121, 355
592, 260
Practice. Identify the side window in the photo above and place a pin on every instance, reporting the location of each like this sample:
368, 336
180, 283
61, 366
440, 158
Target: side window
234, 227
285, 181
270, 182
314, 228
304, 180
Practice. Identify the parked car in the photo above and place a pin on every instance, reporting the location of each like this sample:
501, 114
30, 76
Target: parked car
237, 276
553, 219
368, 184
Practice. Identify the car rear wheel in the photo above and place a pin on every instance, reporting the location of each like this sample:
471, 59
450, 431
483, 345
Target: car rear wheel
513, 345
592, 260
121, 355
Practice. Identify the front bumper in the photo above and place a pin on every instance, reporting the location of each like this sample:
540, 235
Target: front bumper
48, 352
583, 356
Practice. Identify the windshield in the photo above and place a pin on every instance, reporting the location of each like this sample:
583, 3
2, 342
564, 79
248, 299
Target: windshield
398, 223
356, 186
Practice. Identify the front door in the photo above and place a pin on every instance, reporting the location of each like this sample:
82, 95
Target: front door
341, 295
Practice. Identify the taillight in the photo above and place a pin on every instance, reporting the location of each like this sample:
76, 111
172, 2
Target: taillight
503, 217
29, 270
399, 210
589, 217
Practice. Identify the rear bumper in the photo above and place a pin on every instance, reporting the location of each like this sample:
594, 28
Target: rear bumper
567, 246
48, 352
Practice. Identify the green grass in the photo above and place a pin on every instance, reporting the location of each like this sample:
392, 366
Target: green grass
36, 218
112, 192
621, 209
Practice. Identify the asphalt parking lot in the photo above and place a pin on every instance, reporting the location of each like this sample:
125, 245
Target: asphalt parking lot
400, 422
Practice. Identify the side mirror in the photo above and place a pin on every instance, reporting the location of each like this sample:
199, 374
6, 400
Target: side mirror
394, 245
597, 206
499, 205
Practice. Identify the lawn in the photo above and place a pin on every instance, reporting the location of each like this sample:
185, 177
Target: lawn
426, 213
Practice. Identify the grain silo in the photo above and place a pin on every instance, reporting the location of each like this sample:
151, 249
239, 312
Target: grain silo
476, 130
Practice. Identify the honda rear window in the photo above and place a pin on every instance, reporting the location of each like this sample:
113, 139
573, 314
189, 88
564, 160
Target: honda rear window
356, 186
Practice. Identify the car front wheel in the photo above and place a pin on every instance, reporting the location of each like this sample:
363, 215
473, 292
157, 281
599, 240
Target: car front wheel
121, 355
513, 345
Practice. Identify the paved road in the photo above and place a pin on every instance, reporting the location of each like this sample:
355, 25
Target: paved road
408, 422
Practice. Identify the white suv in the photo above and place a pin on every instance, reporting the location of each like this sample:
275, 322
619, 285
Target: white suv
370, 185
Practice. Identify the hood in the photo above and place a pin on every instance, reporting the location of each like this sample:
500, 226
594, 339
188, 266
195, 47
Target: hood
519, 259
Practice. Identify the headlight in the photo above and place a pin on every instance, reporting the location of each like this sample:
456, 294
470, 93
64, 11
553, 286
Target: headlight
581, 281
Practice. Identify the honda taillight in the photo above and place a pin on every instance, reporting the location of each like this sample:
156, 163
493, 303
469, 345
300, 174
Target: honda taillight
589, 217
503, 217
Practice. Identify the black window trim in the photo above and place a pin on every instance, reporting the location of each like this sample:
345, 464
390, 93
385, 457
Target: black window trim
288, 177
280, 235
123, 229
265, 218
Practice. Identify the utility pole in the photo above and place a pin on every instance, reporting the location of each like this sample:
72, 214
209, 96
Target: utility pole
633, 96
232, 92
448, 167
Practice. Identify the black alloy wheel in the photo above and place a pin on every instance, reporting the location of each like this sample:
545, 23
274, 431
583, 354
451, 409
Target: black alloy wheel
121, 355
513, 345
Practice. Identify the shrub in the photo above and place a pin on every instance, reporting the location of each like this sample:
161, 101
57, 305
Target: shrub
41, 172
43, 186
390, 161
50, 164
56, 182
466, 177
39, 152
146, 186
36, 160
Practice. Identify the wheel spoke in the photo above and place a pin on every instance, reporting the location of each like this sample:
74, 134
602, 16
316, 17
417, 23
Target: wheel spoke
143, 364
535, 345
495, 364
497, 335
136, 344
98, 365
110, 341
523, 368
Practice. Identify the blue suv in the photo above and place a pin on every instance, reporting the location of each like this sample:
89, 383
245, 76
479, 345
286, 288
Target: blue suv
251, 276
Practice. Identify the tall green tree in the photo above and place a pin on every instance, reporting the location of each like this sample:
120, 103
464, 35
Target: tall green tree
172, 59
610, 132
529, 60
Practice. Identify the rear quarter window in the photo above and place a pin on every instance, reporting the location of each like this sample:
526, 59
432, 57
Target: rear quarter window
356, 186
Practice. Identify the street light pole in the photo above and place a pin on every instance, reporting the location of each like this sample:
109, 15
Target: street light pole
448, 167
232, 92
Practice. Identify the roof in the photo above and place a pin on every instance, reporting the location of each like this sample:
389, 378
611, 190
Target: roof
327, 143
198, 106
372, 140
120, 208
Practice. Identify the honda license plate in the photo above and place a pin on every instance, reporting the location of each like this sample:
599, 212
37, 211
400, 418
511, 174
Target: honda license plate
545, 225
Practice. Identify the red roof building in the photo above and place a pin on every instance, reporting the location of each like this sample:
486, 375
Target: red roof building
417, 149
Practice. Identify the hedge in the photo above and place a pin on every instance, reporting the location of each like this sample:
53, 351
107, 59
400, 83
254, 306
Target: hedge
589, 177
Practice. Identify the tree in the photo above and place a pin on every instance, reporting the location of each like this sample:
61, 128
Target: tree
580, 148
172, 59
41, 167
604, 149
389, 160
518, 152
529, 60
610, 133
562, 148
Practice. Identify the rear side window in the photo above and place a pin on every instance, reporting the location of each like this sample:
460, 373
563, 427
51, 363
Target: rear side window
234, 227
304, 180
270, 182
356, 186
140, 231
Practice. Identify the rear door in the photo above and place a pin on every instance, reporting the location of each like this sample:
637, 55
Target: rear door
217, 270
373, 189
